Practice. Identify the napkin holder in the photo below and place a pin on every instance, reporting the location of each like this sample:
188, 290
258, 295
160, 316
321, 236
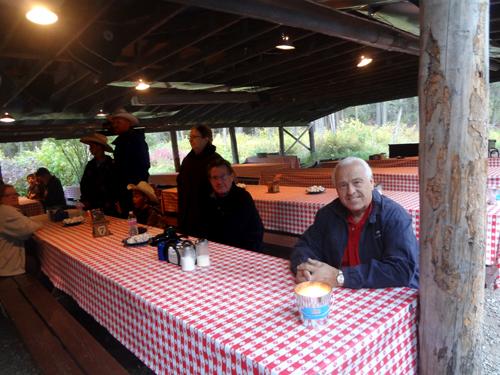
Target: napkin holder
274, 185
100, 228
169, 238
57, 215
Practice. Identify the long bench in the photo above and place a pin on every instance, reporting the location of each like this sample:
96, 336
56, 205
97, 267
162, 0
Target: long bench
56, 340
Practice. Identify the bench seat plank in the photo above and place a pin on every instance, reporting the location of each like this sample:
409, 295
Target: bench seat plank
88, 353
44, 347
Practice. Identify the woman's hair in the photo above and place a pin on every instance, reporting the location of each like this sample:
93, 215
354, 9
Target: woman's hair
4, 187
205, 132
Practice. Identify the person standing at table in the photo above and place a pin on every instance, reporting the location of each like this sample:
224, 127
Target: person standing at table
15, 228
230, 215
96, 186
131, 157
54, 193
360, 240
192, 184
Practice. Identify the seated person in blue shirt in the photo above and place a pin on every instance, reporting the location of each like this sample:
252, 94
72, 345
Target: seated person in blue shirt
360, 240
229, 214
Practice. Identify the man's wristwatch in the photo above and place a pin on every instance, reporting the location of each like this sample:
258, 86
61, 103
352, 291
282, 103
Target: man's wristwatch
340, 278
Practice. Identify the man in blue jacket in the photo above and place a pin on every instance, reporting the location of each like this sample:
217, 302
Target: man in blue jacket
360, 240
131, 154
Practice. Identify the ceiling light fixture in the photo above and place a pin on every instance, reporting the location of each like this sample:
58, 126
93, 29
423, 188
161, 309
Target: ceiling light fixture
41, 16
7, 118
142, 86
101, 114
286, 43
365, 60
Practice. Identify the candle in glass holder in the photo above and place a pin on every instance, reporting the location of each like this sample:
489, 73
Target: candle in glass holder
313, 302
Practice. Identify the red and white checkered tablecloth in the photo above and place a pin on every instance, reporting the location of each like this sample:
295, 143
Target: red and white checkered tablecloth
293, 160
385, 163
395, 179
302, 177
493, 162
227, 318
30, 207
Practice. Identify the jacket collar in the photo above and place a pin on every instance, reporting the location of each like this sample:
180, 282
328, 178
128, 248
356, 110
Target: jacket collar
208, 150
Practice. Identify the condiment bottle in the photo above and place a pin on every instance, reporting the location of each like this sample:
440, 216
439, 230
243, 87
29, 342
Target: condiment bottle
188, 256
203, 256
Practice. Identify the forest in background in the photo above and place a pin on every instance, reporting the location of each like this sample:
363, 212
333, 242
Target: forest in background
357, 131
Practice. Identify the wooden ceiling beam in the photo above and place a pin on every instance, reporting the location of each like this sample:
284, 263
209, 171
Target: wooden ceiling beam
279, 73
240, 56
321, 19
287, 57
233, 40
220, 23
342, 73
70, 30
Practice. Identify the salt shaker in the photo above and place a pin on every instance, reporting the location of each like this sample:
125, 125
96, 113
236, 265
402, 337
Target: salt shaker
203, 258
188, 256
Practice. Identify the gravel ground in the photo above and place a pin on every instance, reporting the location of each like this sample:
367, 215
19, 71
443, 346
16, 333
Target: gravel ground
491, 332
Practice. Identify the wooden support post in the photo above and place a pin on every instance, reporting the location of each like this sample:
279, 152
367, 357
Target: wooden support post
453, 109
282, 140
312, 143
175, 150
234, 145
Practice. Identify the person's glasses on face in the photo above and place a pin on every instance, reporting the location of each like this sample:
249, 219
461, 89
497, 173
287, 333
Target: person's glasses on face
194, 137
216, 178
11, 195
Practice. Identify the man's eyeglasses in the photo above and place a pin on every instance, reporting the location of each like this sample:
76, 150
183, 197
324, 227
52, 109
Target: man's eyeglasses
216, 178
11, 195
194, 136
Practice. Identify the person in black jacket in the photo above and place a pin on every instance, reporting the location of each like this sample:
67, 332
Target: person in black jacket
131, 157
192, 183
96, 185
54, 193
230, 215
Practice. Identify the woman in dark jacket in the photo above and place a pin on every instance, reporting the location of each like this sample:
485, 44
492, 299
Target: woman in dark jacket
192, 183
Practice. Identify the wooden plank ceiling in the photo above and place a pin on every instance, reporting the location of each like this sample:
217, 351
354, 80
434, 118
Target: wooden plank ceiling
211, 61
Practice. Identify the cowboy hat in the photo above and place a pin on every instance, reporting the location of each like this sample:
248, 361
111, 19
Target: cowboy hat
124, 114
146, 189
98, 138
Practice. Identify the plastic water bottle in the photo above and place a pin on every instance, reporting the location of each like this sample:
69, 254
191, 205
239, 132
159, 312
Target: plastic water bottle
79, 208
132, 224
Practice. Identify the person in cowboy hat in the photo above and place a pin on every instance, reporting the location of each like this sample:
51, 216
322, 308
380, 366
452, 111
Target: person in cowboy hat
96, 185
146, 207
131, 157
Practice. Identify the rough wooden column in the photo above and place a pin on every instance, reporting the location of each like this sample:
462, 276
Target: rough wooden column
453, 102
175, 150
234, 146
312, 143
282, 140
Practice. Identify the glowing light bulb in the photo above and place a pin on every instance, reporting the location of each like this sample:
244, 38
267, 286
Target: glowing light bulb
41, 16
